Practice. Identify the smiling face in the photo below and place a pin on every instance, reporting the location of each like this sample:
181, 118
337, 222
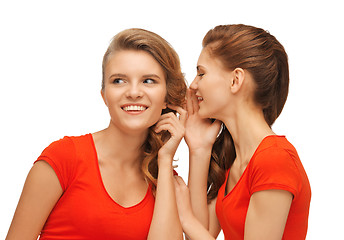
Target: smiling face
135, 90
212, 86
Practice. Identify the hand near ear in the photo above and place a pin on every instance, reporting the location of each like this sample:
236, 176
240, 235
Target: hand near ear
199, 133
175, 126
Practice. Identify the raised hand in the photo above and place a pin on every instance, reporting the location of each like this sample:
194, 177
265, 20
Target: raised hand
165, 212
176, 127
199, 133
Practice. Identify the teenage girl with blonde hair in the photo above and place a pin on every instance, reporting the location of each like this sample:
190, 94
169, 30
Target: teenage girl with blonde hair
116, 183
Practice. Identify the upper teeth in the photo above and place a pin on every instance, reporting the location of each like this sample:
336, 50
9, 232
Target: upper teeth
199, 98
134, 108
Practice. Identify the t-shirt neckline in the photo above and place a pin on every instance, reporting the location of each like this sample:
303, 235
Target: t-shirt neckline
249, 163
137, 205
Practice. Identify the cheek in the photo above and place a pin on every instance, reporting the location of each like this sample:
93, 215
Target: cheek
160, 98
215, 99
214, 88
220, 97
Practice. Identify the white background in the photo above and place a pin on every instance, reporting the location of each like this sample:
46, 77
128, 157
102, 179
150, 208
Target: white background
50, 77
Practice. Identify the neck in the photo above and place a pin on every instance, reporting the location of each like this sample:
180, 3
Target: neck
248, 128
118, 147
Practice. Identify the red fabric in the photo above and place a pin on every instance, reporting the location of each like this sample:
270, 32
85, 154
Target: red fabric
274, 165
85, 210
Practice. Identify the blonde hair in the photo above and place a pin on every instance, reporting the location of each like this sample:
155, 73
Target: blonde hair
166, 56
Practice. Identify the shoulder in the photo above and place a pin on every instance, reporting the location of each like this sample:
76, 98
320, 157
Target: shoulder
275, 151
64, 146
62, 156
274, 166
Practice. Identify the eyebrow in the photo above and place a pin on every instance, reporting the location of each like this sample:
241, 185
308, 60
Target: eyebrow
151, 75
199, 67
118, 75
125, 76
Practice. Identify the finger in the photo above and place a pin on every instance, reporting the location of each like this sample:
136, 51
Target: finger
176, 133
175, 182
168, 115
182, 113
167, 119
172, 119
180, 110
194, 101
183, 117
166, 127
179, 181
189, 105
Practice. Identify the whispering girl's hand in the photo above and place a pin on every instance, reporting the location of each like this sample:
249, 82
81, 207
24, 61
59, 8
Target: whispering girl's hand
183, 200
200, 134
176, 127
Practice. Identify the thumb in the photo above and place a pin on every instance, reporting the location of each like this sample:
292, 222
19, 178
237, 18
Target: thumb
179, 181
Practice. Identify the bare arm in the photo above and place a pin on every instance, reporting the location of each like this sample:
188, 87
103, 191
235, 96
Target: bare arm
267, 214
214, 225
198, 174
200, 136
165, 223
41, 191
192, 227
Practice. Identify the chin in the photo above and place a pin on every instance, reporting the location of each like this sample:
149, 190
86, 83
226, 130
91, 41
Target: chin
142, 126
203, 114
135, 130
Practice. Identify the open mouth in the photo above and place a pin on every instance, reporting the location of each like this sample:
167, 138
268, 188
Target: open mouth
134, 108
200, 99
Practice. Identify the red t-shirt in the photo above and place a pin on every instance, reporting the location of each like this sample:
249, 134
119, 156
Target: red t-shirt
85, 209
274, 165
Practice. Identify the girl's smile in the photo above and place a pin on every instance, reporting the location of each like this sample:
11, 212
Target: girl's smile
135, 90
134, 108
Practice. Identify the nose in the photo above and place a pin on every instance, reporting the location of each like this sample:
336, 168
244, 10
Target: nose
194, 84
134, 91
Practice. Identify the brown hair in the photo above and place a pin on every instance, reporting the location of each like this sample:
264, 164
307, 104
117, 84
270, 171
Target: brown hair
258, 52
165, 55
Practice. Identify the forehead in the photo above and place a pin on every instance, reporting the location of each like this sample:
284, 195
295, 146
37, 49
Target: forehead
133, 61
208, 61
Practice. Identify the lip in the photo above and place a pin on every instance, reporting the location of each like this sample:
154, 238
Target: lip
199, 99
134, 108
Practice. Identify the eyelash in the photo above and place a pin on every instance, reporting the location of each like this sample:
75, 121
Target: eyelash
200, 74
153, 81
116, 81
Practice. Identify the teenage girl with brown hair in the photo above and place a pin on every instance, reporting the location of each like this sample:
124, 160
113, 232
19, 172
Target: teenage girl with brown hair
106, 185
247, 180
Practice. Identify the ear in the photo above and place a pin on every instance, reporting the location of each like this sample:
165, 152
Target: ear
165, 102
102, 93
165, 105
238, 78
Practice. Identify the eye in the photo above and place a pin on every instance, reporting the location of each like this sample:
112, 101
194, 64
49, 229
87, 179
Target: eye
200, 74
118, 81
149, 81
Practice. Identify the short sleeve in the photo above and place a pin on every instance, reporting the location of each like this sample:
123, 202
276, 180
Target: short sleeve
60, 155
274, 168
